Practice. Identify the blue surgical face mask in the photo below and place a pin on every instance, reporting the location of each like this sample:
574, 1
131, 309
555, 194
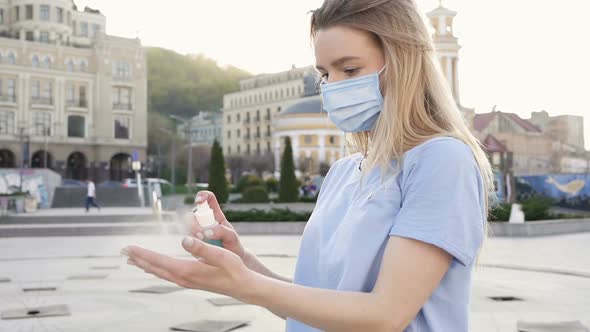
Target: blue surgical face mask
353, 104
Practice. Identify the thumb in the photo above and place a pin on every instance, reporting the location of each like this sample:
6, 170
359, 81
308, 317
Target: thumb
213, 255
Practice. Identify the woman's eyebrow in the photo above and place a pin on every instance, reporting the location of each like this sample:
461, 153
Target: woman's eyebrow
339, 61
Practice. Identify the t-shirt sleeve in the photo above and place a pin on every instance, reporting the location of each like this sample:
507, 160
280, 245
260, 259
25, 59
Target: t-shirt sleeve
442, 193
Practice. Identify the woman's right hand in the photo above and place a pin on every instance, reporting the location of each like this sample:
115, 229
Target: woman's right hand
224, 231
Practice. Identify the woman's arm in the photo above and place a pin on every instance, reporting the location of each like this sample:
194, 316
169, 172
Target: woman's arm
410, 272
254, 264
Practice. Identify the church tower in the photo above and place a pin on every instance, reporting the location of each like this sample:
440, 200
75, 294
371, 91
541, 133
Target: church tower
447, 45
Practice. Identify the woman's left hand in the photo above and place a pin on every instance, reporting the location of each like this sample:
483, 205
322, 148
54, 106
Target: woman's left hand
216, 269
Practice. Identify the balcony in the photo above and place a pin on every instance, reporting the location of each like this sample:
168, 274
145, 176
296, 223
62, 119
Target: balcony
267, 118
44, 101
78, 103
122, 106
247, 137
8, 99
122, 77
257, 119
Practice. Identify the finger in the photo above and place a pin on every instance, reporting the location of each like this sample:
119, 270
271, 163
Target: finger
151, 269
221, 232
213, 204
136, 253
213, 255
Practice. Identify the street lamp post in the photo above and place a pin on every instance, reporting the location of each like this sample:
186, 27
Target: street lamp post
172, 158
187, 131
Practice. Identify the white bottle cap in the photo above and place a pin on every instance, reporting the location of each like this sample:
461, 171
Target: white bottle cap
204, 215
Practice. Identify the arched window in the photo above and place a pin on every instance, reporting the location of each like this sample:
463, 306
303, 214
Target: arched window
70, 66
83, 65
35, 61
47, 62
11, 58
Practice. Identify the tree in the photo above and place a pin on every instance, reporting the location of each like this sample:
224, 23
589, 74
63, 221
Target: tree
217, 181
288, 188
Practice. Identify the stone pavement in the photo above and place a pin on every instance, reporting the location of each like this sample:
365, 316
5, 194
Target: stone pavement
107, 305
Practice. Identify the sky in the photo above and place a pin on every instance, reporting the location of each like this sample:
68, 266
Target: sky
523, 56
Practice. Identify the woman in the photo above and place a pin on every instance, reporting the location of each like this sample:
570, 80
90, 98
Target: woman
393, 238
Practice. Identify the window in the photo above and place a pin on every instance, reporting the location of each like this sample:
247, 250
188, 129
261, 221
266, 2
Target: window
35, 90
331, 139
59, 13
121, 69
76, 126
10, 91
121, 98
70, 66
239, 149
47, 63
238, 133
41, 121
238, 117
35, 61
95, 29
16, 13
228, 119
6, 123
228, 134
44, 12
268, 146
307, 139
1, 16
82, 96
70, 93
84, 29
83, 65
29, 36
28, 12
122, 128
11, 58
44, 37
47, 91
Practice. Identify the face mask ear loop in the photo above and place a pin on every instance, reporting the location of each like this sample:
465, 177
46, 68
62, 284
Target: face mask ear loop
382, 69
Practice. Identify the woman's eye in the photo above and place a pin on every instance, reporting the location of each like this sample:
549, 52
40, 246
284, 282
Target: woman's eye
324, 77
351, 71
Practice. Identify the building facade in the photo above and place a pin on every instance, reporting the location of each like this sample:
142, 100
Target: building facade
203, 128
72, 98
534, 150
315, 140
248, 114
567, 129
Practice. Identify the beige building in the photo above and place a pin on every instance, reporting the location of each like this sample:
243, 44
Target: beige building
534, 149
71, 97
566, 129
315, 140
248, 114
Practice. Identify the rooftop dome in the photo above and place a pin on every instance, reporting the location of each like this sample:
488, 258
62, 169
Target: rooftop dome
310, 105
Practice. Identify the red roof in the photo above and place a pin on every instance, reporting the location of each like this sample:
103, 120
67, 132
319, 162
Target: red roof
482, 121
492, 144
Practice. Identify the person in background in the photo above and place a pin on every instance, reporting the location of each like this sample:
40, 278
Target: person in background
90, 195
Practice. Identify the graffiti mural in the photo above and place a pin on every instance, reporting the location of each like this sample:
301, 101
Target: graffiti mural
568, 190
32, 182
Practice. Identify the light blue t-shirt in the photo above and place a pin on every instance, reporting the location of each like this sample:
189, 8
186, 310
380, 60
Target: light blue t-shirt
437, 197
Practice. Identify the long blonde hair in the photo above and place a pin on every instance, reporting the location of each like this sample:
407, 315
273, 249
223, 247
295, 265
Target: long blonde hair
418, 103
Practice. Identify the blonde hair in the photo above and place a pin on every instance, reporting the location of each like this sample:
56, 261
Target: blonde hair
418, 103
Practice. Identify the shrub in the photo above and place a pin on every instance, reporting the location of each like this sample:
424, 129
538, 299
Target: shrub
272, 185
248, 181
262, 215
255, 194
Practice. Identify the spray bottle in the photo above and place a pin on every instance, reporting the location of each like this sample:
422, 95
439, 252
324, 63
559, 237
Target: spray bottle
206, 220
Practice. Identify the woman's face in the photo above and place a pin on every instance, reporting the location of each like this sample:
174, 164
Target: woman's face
342, 52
